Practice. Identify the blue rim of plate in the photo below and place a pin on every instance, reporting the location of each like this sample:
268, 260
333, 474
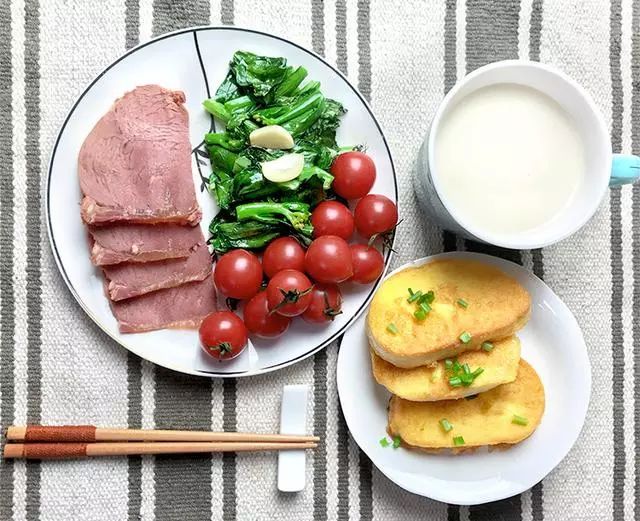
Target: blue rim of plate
195, 31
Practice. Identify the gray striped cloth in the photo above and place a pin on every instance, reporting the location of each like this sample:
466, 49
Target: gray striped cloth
57, 367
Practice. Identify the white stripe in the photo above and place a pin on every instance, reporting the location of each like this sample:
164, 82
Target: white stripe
332, 441
524, 27
354, 479
18, 117
330, 50
627, 267
148, 485
352, 41
215, 12
216, 460
525, 498
627, 328
292, 22
627, 80
579, 270
461, 39
19, 490
527, 259
146, 20
84, 374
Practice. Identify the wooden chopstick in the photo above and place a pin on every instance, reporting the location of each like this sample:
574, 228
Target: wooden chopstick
44, 451
91, 434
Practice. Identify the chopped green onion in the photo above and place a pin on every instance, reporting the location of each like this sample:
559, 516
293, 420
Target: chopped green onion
465, 337
414, 296
466, 369
462, 303
467, 379
391, 327
384, 442
425, 307
396, 442
410, 291
477, 372
446, 426
427, 298
519, 420
487, 346
456, 366
420, 314
455, 381
458, 440
448, 364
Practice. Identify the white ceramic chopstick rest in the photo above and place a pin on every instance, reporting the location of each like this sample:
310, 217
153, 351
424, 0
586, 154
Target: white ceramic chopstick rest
293, 420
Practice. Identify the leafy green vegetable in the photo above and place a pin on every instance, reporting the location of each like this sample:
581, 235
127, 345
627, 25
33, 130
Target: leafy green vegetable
259, 91
258, 74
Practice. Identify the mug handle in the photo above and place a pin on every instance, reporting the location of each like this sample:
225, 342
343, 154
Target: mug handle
625, 169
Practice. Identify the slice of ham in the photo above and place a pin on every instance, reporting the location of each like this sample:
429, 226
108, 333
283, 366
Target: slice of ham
129, 280
142, 243
182, 307
135, 165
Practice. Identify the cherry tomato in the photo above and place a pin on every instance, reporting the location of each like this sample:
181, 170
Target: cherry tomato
375, 214
328, 259
285, 253
289, 293
238, 274
354, 174
368, 263
223, 335
332, 218
260, 321
326, 303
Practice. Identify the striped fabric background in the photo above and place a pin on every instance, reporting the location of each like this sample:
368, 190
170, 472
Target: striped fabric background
57, 367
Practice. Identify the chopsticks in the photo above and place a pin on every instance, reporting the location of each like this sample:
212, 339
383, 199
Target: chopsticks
76, 441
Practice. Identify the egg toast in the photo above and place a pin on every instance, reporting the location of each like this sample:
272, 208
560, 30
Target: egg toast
472, 302
431, 382
504, 415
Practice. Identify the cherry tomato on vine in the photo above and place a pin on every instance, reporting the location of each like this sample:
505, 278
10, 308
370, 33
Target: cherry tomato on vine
326, 303
238, 274
223, 335
282, 254
354, 174
328, 259
332, 218
368, 263
375, 214
260, 321
289, 293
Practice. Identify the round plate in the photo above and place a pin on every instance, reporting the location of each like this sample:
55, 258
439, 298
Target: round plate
551, 342
196, 61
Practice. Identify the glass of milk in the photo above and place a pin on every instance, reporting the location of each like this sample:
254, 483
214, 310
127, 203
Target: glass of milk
518, 155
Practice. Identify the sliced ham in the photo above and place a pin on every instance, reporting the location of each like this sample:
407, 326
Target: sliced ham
135, 165
142, 243
183, 307
129, 280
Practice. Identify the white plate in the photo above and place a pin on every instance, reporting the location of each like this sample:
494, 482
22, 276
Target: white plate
196, 61
551, 342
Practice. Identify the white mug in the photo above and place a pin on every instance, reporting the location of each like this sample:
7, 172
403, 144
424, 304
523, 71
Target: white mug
604, 168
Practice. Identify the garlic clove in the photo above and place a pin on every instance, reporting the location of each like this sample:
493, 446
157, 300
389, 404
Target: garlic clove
283, 169
271, 136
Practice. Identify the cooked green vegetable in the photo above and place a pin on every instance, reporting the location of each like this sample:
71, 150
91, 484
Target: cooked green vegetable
260, 91
254, 225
